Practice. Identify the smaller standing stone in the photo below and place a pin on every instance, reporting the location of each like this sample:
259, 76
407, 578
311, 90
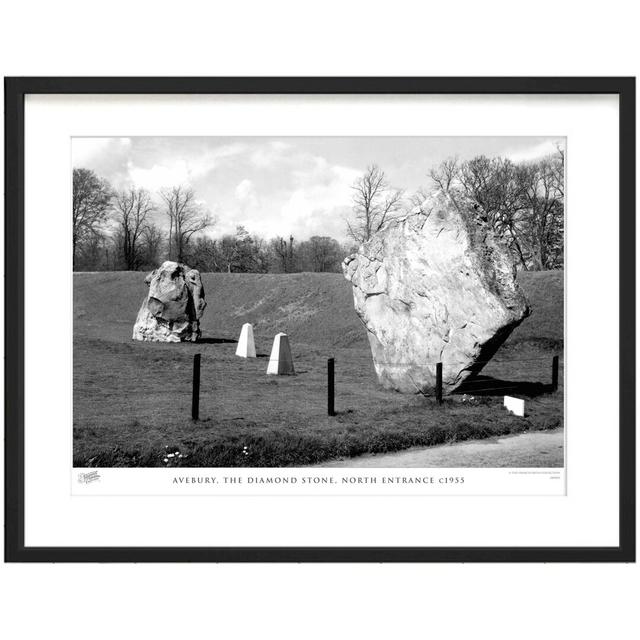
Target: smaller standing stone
172, 310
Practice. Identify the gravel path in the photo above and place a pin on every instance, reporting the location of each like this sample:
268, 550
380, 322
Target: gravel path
533, 449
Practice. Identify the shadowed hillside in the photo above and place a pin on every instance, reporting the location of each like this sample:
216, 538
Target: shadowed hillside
314, 308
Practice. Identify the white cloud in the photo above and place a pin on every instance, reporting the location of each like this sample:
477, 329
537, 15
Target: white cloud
85, 150
247, 197
160, 175
279, 186
536, 151
245, 189
180, 171
271, 154
319, 204
286, 190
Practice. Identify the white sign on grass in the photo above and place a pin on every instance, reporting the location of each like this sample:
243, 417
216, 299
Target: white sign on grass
515, 405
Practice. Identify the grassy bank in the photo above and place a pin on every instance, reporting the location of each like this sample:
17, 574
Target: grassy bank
132, 400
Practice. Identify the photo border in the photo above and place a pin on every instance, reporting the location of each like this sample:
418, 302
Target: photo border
15, 91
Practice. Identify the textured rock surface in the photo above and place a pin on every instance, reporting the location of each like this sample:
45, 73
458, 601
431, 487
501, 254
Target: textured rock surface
171, 311
434, 287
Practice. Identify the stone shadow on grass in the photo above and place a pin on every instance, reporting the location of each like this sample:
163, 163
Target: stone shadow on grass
216, 340
489, 386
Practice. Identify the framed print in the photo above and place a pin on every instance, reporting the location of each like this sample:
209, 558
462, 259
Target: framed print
320, 319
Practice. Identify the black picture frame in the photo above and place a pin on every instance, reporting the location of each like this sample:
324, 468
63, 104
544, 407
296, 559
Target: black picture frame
15, 91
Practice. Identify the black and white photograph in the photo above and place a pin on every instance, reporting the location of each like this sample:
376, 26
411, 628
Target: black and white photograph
369, 301
320, 322
364, 311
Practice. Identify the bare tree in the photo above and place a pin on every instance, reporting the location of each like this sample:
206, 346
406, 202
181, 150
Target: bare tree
375, 205
444, 176
557, 169
417, 200
285, 253
132, 209
323, 253
226, 252
542, 197
523, 203
236, 253
91, 199
204, 254
151, 242
262, 254
186, 218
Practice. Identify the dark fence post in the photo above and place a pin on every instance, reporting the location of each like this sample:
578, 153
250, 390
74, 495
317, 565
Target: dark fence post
554, 373
439, 382
195, 397
331, 386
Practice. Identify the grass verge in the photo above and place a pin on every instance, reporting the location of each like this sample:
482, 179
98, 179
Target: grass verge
230, 444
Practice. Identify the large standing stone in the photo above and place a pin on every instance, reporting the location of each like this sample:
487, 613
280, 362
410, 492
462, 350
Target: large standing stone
436, 286
171, 311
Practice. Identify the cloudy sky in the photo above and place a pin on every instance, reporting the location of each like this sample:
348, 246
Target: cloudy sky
278, 186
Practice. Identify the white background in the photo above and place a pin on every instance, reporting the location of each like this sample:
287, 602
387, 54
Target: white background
365, 38
488, 514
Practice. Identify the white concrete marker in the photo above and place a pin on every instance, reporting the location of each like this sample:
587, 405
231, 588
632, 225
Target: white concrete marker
280, 361
246, 346
515, 405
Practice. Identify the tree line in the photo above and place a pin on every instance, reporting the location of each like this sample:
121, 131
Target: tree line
523, 203
243, 252
115, 230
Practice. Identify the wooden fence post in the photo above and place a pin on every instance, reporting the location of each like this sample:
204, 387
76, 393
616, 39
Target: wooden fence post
331, 387
439, 382
554, 372
195, 397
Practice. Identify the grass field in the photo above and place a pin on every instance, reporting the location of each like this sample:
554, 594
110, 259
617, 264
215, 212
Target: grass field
132, 400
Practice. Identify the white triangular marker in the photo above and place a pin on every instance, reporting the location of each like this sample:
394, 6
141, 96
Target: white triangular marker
246, 346
515, 405
280, 361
